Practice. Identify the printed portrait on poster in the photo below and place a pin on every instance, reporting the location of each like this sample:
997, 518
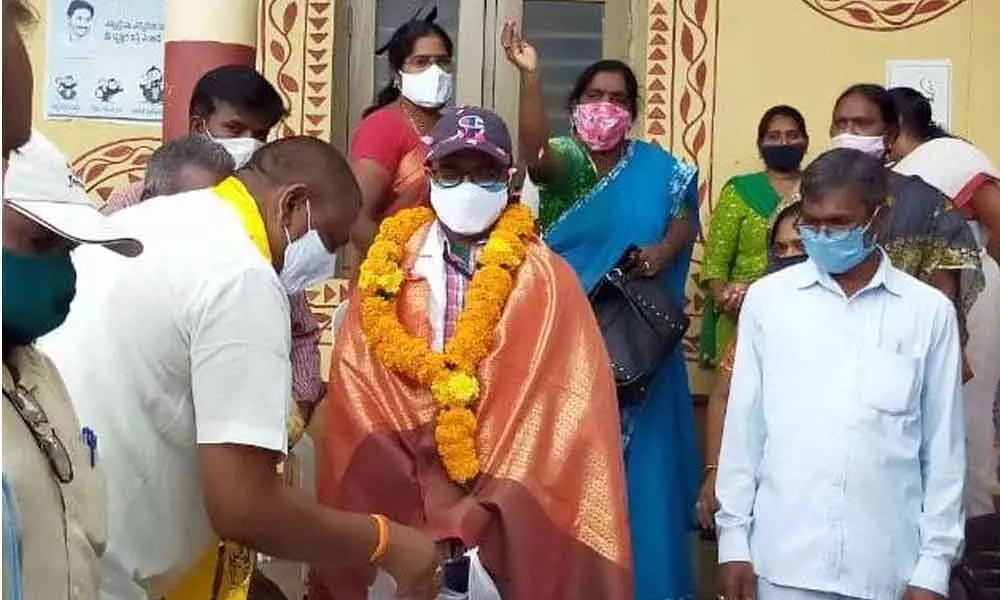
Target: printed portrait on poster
104, 60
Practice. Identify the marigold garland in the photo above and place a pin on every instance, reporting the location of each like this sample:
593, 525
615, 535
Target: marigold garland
450, 375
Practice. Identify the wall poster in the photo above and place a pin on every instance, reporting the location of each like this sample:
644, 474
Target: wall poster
932, 78
104, 60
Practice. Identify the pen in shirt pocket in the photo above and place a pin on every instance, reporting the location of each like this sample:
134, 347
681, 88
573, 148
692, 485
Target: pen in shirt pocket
90, 440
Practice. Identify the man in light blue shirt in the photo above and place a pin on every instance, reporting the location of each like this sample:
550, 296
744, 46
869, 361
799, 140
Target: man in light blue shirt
842, 459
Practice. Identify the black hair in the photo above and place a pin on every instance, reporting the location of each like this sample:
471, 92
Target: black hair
782, 110
607, 66
915, 114
241, 86
879, 96
76, 5
791, 211
846, 168
399, 48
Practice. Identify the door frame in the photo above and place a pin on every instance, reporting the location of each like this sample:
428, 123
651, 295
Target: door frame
355, 73
495, 84
624, 35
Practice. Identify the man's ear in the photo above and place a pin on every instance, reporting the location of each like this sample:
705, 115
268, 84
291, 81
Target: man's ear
292, 200
197, 124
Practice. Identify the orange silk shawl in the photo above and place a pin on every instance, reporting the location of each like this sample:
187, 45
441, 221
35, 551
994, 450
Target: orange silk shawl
548, 510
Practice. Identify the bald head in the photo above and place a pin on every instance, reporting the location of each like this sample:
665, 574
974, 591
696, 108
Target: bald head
303, 183
310, 161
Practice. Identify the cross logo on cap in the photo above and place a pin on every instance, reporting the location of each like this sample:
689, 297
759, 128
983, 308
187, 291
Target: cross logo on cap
472, 128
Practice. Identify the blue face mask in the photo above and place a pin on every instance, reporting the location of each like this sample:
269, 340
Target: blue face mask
840, 251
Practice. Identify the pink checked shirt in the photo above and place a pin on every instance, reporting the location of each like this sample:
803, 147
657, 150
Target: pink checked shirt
458, 272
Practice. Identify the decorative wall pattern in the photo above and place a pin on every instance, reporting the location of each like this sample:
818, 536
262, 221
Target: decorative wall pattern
115, 164
295, 52
680, 102
882, 15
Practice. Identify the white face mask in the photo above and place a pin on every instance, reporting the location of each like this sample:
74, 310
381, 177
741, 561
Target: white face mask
307, 261
467, 208
429, 89
241, 149
873, 145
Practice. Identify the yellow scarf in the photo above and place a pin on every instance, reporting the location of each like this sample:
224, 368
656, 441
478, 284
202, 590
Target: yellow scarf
232, 580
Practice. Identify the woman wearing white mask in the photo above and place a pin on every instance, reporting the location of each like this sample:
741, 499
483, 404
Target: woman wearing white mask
387, 150
972, 181
924, 234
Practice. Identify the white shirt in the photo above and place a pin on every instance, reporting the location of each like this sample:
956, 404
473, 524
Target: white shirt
843, 452
184, 345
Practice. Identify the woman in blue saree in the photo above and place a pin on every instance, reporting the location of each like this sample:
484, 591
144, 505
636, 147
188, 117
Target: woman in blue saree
601, 194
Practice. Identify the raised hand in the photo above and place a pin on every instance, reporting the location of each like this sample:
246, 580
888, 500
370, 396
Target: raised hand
519, 52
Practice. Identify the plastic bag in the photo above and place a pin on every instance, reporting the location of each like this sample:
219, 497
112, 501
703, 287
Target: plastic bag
481, 586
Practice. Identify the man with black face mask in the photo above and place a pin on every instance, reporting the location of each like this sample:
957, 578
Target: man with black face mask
53, 497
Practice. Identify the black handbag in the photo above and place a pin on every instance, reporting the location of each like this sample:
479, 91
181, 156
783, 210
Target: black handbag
641, 324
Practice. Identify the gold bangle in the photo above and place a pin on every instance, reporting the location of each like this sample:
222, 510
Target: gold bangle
382, 525
709, 468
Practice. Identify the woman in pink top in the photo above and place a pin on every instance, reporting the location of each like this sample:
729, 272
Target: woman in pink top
387, 151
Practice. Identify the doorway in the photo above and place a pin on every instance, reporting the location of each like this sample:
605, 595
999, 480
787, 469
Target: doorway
569, 35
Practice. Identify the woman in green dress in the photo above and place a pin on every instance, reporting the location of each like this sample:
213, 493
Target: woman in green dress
736, 249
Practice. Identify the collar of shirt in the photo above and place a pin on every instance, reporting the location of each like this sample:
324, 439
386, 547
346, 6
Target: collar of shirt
29, 367
885, 278
431, 266
436, 245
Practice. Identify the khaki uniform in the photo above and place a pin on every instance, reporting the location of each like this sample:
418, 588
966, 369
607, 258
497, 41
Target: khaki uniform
62, 526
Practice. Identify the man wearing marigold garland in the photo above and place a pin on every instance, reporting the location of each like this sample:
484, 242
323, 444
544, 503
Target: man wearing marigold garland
471, 391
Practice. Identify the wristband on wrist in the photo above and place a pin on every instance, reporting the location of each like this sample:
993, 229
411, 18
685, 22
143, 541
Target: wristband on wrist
382, 525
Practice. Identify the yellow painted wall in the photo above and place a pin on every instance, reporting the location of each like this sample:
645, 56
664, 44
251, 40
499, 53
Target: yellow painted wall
783, 52
712, 67
73, 136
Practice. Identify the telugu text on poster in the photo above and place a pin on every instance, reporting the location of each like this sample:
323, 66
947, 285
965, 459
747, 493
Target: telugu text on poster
105, 60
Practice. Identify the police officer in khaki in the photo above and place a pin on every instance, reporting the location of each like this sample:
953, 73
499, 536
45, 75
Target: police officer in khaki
53, 492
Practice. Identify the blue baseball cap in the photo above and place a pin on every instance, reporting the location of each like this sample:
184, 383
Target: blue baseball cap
470, 128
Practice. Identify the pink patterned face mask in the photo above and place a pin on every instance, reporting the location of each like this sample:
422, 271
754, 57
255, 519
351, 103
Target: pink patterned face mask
601, 125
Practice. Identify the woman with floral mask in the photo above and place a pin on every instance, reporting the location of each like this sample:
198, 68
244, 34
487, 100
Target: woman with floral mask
736, 248
923, 233
387, 149
601, 194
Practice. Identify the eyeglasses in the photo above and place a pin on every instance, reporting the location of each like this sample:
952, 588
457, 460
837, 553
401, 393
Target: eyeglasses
45, 435
805, 227
493, 180
422, 63
831, 231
